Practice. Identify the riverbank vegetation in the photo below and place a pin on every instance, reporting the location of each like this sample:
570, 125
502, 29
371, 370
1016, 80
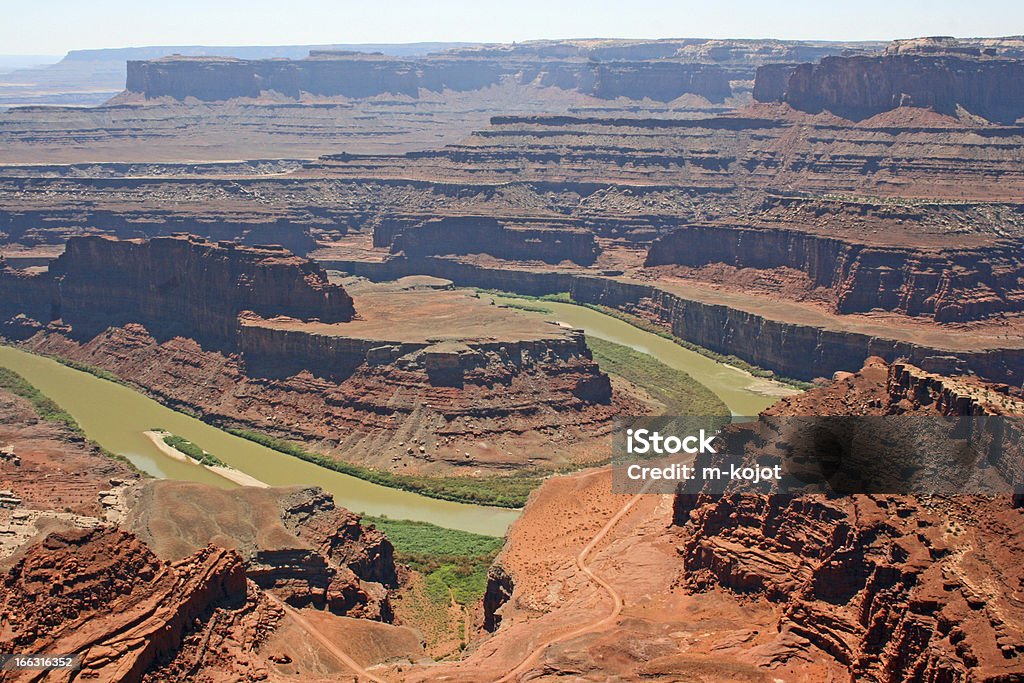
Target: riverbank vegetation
646, 326
509, 491
681, 393
183, 445
452, 567
449, 559
48, 410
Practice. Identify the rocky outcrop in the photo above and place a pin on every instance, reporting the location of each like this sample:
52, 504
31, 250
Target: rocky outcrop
102, 594
483, 235
339, 536
420, 410
180, 316
878, 584
792, 349
348, 74
179, 286
224, 78
861, 86
294, 543
892, 587
24, 294
500, 586
911, 389
661, 81
948, 285
771, 81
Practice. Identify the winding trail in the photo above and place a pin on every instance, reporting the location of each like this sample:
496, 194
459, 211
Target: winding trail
581, 563
358, 670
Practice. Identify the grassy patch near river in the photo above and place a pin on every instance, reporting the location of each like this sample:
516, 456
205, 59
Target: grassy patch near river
510, 491
681, 393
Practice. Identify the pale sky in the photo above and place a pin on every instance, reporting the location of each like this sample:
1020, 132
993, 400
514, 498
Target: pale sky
56, 26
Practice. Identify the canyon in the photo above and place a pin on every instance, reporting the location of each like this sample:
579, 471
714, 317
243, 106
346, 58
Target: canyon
407, 379
883, 214
659, 70
762, 587
293, 246
148, 590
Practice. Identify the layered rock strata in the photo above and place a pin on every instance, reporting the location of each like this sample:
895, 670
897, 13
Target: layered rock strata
794, 349
471, 383
891, 587
101, 594
483, 235
941, 75
178, 286
949, 285
359, 75
429, 408
295, 543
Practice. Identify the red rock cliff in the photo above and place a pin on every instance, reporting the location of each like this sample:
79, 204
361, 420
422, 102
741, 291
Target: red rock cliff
948, 284
896, 588
862, 86
102, 593
187, 286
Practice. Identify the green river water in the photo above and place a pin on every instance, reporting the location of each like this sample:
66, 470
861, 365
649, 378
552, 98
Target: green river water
744, 394
116, 417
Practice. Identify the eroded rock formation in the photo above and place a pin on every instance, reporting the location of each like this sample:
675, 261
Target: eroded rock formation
484, 235
102, 594
939, 74
179, 316
177, 286
949, 285
723, 324
892, 587
294, 543
361, 75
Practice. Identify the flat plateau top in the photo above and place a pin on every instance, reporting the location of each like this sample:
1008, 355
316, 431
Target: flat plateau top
390, 313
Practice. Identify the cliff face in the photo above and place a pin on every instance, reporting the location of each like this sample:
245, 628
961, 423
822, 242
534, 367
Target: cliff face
181, 316
872, 582
294, 543
276, 352
360, 75
862, 86
801, 351
661, 81
892, 587
771, 80
421, 408
222, 78
794, 350
185, 286
117, 605
24, 294
949, 285
471, 235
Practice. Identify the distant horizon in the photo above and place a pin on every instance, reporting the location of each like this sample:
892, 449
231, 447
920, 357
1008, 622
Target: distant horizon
56, 27
57, 57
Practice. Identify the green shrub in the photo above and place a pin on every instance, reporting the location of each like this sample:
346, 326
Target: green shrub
46, 408
510, 491
193, 451
454, 563
681, 393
